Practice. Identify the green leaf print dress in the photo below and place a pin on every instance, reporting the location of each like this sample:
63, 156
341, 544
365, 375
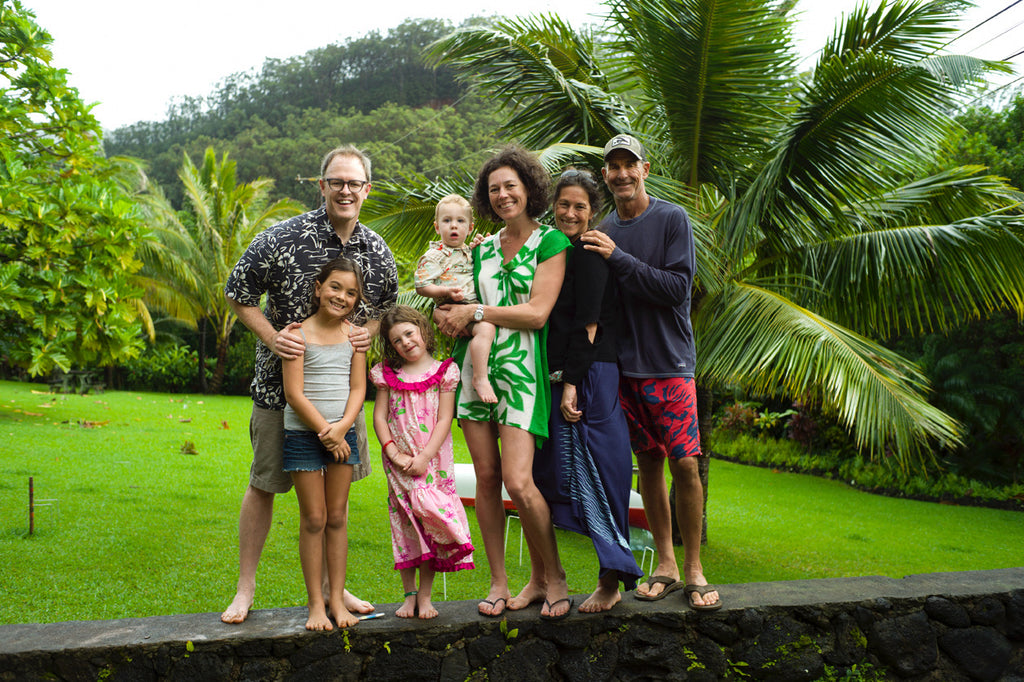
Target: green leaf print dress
518, 366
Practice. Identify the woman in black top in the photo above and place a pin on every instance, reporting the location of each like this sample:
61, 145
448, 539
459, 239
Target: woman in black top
585, 468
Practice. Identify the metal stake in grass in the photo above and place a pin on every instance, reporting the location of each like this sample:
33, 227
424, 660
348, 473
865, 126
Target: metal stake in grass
31, 507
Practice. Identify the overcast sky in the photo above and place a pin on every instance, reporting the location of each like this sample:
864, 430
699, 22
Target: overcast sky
133, 57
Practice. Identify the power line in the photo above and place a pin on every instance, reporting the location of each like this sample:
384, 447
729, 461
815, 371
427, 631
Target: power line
996, 37
954, 38
981, 23
991, 92
403, 137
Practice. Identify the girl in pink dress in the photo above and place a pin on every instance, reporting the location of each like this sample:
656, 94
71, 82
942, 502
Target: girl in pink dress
412, 417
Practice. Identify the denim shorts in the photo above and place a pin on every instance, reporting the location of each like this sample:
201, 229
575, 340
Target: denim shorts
303, 451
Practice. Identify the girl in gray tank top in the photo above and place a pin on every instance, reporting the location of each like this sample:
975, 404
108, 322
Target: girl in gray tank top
325, 389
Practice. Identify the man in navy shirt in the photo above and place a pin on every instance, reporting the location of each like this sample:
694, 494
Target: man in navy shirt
648, 243
282, 263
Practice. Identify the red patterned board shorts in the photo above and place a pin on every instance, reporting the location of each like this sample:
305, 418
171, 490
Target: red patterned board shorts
662, 415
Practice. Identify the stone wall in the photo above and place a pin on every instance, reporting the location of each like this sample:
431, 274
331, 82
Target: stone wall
951, 626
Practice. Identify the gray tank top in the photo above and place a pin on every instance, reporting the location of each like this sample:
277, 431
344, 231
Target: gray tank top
326, 372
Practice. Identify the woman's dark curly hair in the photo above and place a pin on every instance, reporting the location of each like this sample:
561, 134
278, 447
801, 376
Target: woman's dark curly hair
531, 173
398, 315
576, 177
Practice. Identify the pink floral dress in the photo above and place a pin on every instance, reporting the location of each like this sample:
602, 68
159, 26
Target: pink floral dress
428, 522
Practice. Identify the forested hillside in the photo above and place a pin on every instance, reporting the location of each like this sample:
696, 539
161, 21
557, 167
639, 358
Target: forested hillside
276, 121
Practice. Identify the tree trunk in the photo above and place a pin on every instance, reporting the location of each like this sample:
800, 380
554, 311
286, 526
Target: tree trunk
704, 467
704, 410
202, 356
222, 365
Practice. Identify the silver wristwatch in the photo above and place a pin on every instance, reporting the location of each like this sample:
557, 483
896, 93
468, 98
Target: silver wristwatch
479, 314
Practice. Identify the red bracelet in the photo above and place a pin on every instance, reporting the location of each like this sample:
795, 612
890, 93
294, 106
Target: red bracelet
384, 448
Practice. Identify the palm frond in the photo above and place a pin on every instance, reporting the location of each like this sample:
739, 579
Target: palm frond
543, 72
717, 74
921, 278
907, 30
402, 211
874, 113
943, 197
753, 338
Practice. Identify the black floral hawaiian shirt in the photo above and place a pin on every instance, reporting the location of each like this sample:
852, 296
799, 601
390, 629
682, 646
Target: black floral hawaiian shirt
282, 262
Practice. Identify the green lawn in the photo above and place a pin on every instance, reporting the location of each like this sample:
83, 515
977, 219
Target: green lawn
142, 528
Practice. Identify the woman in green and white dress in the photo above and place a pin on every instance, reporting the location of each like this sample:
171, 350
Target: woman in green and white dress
518, 273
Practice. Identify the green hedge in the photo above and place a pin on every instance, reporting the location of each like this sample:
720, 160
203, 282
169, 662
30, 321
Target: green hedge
862, 473
164, 369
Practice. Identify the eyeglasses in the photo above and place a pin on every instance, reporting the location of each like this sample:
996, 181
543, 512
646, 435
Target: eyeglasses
338, 184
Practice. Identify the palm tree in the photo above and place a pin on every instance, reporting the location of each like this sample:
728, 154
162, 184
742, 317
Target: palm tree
821, 227
187, 264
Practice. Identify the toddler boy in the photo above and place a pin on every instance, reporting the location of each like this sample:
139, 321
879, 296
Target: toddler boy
445, 274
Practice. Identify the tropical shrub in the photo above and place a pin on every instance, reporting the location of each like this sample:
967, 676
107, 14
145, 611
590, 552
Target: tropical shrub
164, 369
68, 227
240, 360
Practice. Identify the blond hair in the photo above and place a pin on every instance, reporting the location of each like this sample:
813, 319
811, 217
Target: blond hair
456, 199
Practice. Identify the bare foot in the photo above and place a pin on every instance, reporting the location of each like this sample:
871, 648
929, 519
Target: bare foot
408, 607
426, 608
483, 388
603, 599
238, 610
356, 605
343, 618
318, 619
532, 593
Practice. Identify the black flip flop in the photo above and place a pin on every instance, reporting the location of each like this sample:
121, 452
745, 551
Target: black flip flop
551, 606
492, 605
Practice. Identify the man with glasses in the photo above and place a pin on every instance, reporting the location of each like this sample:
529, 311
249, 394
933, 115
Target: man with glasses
648, 243
282, 263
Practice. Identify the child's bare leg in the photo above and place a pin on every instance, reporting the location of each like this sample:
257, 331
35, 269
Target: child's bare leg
309, 488
480, 351
353, 603
408, 607
426, 608
337, 479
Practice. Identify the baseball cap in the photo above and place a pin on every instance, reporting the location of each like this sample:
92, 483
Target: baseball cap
627, 142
